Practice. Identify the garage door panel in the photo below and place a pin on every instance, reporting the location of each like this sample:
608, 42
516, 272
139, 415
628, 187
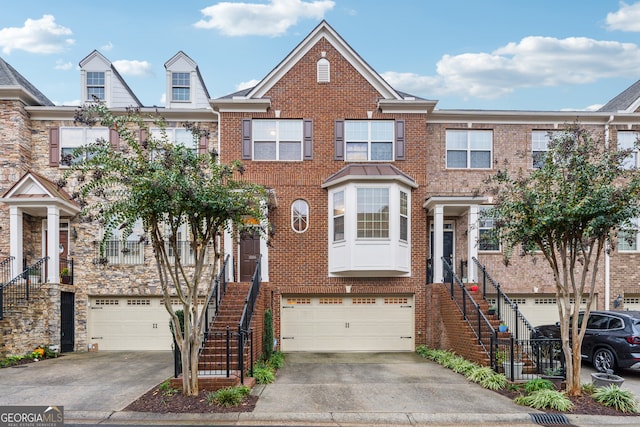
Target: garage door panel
347, 323
129, 324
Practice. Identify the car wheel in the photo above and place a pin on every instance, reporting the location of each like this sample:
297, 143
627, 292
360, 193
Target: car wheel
603, 360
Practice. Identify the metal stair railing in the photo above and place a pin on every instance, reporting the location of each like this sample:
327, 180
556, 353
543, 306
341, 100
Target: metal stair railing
506, 309
5, 269
244, 325
471, 312
19, 288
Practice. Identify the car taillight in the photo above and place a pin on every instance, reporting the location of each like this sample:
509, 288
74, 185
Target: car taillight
633, 340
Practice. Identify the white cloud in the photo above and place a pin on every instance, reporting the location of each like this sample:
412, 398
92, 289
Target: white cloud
36, 36
247, 84
133, 68
532, 62
61, 65
272, 19
107, 47
627, 18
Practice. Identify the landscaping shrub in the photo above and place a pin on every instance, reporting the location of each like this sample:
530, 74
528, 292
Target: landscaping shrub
538, 384
228, 396
614, 396
267, 336
263, 374
546, 399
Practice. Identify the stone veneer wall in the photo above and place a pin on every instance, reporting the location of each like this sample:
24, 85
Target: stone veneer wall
37, 323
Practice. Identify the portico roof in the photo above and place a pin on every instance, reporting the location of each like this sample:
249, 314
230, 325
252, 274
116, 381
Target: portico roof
34, 193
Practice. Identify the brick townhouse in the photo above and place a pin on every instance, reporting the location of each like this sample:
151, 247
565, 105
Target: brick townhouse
369, 186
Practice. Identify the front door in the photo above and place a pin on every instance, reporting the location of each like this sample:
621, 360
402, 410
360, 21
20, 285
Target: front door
447, 250
67, 335
249, 253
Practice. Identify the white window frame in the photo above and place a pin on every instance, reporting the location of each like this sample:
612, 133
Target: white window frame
75, 137
177, 83
404, 216
485, 225
376, 223
133, 251
467, 143
176, 135
277, 136
626, 140
92, 84
300, 216
351, 140
623, 245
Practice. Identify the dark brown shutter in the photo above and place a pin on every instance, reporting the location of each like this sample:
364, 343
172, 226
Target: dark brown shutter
246, 139
338, 142
142, 136
203, 144
114, 138
307, 139
400, 140
54, 147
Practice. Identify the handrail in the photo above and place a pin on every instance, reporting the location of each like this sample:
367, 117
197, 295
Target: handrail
473, 315
214, 299
19, 288
5, 269
244, 325
507, 310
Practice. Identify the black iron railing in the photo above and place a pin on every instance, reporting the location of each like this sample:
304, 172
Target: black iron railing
506, 309
216, 362
470, 310
19, 289
5, 269
118, 252
528, 358
244, 326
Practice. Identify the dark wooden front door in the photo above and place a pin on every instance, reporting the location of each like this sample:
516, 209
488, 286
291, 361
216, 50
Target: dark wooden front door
447, 253
67, 334
249, 253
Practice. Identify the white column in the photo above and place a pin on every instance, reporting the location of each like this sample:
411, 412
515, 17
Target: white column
53, 244
438, 241
15, 240
472, 243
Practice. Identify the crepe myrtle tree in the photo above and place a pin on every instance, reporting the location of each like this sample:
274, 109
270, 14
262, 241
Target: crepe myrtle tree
168, 186
569, 210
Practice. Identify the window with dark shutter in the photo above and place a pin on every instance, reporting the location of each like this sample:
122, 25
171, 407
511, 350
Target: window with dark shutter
338, 144
246, 139
307, 139
54, 147
400, 140
203, 144
114, 138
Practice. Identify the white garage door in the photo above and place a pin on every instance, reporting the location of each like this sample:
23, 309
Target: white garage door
347, 323
133, 323
632, 302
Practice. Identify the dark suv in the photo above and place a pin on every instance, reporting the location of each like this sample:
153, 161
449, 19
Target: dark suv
611, 341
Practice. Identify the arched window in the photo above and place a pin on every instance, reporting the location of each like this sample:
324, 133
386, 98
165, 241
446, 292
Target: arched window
299, 216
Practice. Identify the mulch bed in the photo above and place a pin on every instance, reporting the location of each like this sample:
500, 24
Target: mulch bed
155, 401
583, 405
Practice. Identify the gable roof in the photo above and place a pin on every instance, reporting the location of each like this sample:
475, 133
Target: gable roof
14, 85
391, 99
627, 101
202, 93
95, 55
33, 192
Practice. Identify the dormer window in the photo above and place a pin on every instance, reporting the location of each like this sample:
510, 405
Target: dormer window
181, 87
95, 85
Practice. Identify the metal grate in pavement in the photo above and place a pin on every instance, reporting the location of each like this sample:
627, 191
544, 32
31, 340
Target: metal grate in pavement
550, 419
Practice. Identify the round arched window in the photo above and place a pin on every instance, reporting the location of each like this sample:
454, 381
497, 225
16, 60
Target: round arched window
299, 216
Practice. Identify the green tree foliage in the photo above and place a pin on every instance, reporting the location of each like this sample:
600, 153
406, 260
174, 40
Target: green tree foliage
568, 210
168, 186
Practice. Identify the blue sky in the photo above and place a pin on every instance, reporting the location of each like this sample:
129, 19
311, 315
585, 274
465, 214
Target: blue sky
467, 54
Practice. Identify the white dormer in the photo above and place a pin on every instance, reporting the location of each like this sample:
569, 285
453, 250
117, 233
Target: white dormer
185, 87
99, 78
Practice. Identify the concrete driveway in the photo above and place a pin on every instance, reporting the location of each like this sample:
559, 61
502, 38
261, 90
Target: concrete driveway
101, 382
